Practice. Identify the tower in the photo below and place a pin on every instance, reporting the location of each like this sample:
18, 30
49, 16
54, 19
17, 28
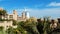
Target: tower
15, 14
27, 15
23, 15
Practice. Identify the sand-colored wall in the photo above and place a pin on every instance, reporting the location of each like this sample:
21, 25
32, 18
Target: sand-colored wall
6, 24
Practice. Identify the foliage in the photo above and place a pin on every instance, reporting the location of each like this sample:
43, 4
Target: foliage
14, 22
1, 28
4, 19
11, 30
3, 12
21, 27
31, 26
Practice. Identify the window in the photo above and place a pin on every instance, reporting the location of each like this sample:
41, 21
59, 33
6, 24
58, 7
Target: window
11, 16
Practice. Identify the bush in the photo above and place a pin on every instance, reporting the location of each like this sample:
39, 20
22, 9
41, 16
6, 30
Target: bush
1, 28
14, 22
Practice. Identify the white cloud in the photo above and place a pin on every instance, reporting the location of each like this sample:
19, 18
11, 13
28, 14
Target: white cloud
54, 4
54, 12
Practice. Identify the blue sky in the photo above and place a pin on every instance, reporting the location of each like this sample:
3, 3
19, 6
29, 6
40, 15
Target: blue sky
37, 8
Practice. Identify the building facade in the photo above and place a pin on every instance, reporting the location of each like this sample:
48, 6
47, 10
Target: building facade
15, 16
6, 24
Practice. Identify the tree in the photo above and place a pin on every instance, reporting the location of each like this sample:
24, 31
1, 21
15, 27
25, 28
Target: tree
11, 30
20, 27
1, 29
46, 25
31, 24
14, 22
2, 13
40, 26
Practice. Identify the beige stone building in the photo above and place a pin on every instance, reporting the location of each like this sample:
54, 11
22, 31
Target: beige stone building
14, 16
6, 24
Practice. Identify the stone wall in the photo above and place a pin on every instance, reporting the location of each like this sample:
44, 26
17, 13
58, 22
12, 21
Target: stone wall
6, 24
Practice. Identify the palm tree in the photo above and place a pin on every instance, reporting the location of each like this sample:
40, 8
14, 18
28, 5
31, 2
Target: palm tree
46, 26
40, 26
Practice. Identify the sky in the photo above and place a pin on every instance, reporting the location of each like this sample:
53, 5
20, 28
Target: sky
36, 8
